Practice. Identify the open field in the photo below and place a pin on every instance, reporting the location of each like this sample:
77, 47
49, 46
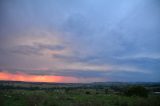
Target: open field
36, 94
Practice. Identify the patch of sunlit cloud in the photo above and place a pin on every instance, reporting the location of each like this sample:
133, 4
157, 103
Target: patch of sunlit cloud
4, 75
34, 78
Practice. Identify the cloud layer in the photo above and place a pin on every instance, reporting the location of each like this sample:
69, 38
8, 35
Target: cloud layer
88, 41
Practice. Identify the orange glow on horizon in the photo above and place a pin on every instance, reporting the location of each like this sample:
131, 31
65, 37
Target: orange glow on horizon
34, 78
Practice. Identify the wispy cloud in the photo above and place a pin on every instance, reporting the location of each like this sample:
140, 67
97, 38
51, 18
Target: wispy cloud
36, 49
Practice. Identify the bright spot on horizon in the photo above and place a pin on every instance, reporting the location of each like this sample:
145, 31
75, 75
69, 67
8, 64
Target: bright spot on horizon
34, 78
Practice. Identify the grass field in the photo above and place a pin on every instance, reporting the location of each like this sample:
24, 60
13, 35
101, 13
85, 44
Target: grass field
73, 98
60, 94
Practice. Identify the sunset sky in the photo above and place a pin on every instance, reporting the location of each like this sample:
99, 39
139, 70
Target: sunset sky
80, 40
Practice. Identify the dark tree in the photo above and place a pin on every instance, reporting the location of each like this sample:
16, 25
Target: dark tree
87, 92
137, 91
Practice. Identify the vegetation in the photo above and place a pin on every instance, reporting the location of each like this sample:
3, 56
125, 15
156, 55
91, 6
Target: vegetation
137, 91
80, 96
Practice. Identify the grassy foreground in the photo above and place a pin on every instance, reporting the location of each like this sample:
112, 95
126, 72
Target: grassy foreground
75, 98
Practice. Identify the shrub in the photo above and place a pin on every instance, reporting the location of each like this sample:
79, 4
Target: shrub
87, 92
137, 91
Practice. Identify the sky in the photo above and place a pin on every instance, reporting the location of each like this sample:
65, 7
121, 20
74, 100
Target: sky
80, 41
